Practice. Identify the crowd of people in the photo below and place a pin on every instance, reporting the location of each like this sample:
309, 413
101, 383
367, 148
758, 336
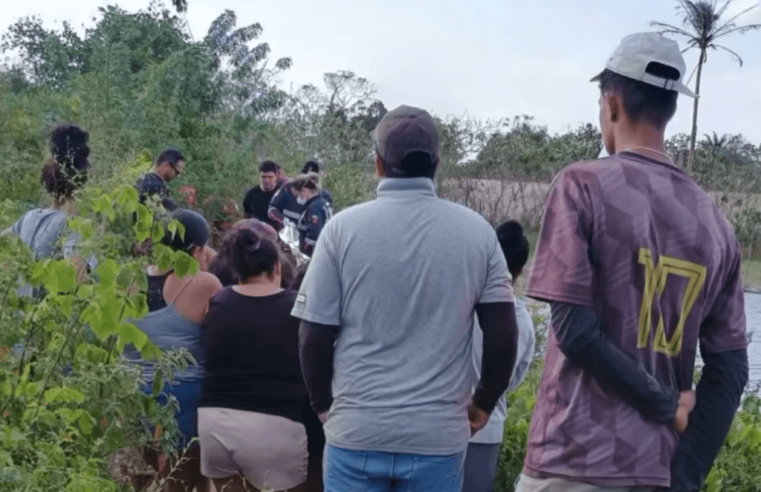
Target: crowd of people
382, 363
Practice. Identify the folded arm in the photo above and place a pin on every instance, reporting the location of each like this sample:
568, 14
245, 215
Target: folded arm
500, 329
316, 344
579, 334
718, 395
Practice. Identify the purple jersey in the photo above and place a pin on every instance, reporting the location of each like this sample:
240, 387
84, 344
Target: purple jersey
639, 242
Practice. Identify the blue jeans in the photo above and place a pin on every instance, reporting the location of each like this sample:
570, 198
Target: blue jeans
375, 471
187, 393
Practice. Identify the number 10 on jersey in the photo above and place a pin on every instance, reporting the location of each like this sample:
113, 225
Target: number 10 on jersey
656, 278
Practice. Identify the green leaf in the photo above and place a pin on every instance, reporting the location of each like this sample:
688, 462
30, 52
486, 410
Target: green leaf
38, 271
163, 256
60, 277
129, 333
157, 233
86, 423
83, 226
142, 230
158, 382
31, 389
107, 272
151, 352
128, 198
64, 395
105, 319
137, 306
85, 291
184, 264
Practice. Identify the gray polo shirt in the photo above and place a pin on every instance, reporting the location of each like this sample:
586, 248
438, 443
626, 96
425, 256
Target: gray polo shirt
401, 276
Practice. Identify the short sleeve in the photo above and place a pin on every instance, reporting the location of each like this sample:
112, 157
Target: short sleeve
562, 269
724, 328
498, 286
319, 300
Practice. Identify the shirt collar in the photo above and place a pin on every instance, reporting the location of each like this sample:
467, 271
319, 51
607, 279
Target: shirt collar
416, 186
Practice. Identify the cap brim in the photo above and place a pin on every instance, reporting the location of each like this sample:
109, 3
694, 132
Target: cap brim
597, 77
683, 89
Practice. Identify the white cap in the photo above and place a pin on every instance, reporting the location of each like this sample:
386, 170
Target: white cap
637, 51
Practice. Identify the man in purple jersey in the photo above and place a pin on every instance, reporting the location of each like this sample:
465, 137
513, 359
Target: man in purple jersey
640, 268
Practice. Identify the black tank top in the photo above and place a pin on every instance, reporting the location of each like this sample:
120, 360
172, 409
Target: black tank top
156, 299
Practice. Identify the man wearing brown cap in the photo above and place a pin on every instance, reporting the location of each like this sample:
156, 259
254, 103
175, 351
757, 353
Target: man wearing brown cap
387, 310
640, 268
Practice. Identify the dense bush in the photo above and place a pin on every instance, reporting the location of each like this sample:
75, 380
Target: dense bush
67, 401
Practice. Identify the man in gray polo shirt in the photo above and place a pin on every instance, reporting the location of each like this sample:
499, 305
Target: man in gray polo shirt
387, 312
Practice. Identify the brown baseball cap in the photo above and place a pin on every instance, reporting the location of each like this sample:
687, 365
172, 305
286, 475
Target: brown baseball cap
405, 130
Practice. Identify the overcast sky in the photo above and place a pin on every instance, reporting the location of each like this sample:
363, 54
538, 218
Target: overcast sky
483, 58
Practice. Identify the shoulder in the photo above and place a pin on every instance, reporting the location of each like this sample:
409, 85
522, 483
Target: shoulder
208, 283
465, 218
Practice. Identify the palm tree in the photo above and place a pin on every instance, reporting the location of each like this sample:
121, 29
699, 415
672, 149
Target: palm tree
703, 27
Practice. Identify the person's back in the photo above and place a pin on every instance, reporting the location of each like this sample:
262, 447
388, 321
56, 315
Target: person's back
640, 269
663, 254
40, 229
410, 285
252, 350
252, 406
177, 307
45, 230
397, 281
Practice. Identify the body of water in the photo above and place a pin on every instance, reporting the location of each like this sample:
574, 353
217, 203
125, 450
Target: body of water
753, 315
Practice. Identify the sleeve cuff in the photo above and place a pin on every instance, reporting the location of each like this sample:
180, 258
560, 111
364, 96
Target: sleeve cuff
555, 297
315, 318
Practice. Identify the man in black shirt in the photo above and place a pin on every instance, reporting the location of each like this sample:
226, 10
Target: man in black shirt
169, 166
257, 200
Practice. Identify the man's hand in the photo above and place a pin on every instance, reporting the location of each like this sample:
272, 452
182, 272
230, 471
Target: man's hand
323, 417
686, 405
477, 417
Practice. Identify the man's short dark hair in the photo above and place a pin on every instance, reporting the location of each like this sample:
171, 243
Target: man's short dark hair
311, 167
514, 246
644, 102
170, 156
269, 167
414, 165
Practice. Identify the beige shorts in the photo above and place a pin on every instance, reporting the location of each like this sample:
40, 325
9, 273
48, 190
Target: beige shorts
530, 484
268, 450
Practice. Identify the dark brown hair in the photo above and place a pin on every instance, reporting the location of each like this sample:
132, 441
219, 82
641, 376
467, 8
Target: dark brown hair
249, 254
644, 102
269, 167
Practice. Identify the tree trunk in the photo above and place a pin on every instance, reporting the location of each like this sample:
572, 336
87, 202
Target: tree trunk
694, 135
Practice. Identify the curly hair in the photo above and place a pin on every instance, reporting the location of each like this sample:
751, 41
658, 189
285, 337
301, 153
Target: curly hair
67, 170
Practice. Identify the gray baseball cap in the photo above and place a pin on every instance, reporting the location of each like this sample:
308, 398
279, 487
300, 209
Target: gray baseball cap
405, 130
637, 51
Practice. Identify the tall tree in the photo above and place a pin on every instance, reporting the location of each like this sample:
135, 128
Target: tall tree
703, 27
